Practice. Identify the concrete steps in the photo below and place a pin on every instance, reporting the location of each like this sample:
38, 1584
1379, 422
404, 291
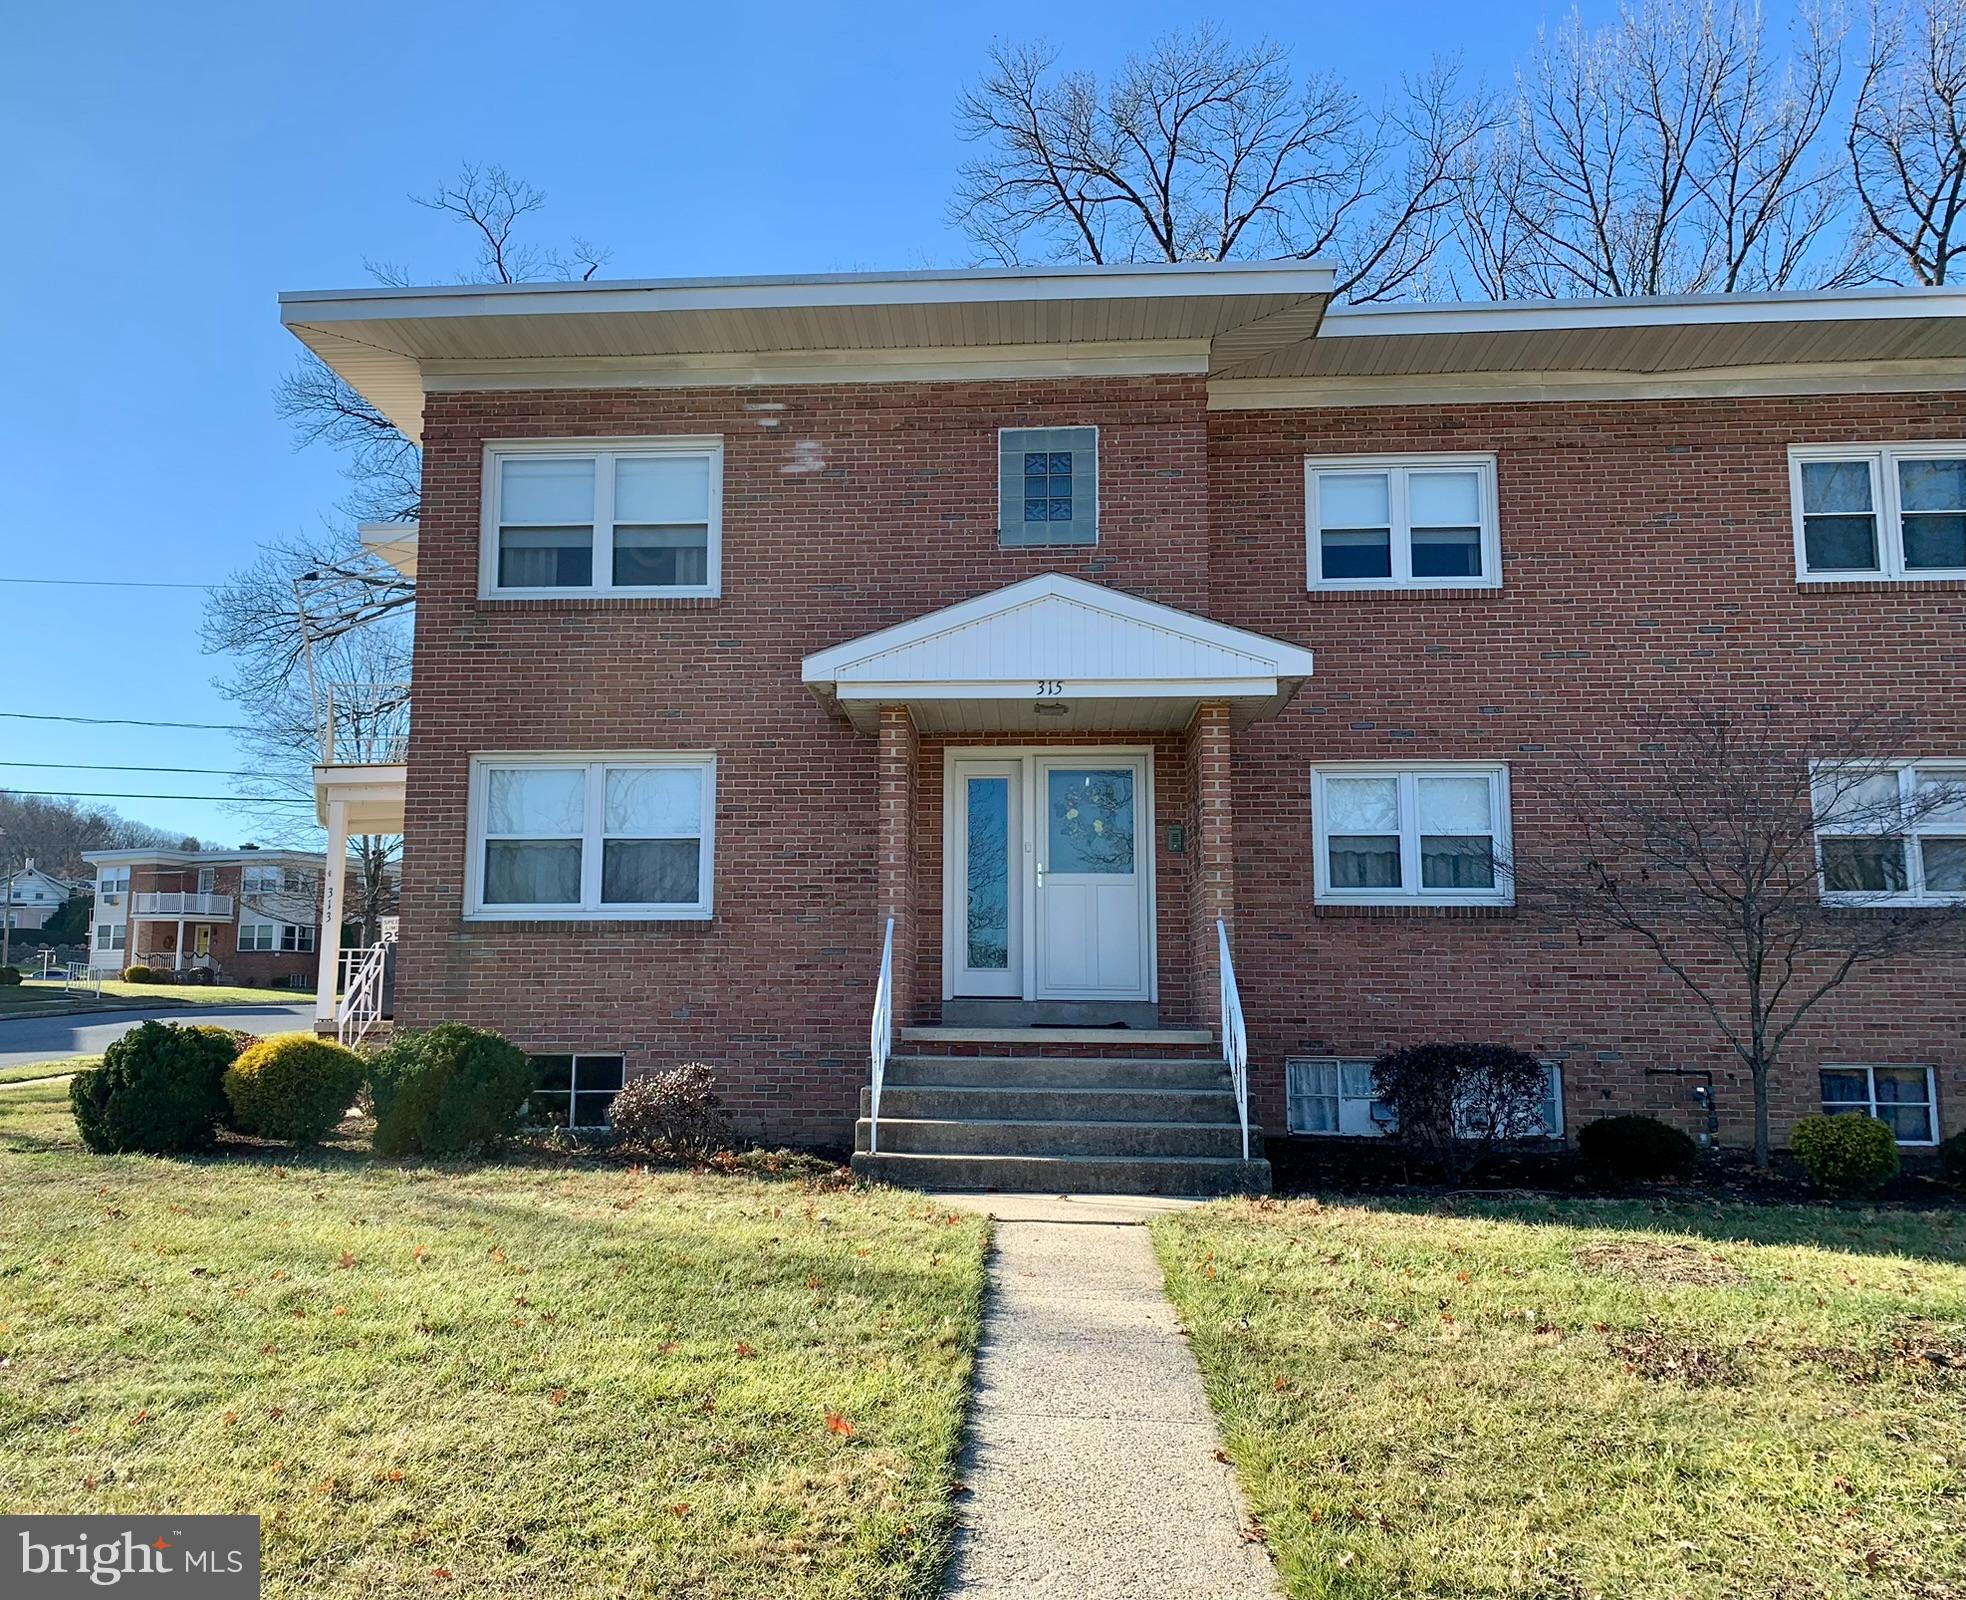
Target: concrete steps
1059, 1124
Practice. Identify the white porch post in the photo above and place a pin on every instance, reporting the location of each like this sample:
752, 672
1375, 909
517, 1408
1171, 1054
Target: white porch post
177, 956
331, 888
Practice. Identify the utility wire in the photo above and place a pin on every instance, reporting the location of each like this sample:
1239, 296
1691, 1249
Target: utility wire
89, 766
227, 799
124, 722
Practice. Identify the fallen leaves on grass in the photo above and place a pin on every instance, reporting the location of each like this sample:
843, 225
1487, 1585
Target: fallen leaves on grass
835, 1423
1662, 1358
1648, 1261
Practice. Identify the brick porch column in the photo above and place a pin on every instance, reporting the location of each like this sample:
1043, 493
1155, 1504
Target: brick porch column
894, 860
1212, 869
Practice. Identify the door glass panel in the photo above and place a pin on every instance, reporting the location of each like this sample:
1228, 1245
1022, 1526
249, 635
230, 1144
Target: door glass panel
1090, 819
988, 822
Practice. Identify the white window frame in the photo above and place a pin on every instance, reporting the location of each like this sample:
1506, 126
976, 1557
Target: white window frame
1396, 468
1870, 1069
590, 908
113, 881
603, 453
112, 936
1372, 1127
296, 938
1911, 832
1411, 892
254, 924
1882, 460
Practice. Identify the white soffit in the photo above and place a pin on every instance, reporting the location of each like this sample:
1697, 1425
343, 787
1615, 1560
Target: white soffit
1873, 338
386, 342
393, 542
1107, 658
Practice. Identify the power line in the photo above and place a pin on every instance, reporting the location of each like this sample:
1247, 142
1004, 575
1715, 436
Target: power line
96, 766
108, 583
75, 794
124, 722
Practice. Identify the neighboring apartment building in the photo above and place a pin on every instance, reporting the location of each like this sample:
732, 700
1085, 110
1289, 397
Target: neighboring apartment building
1073, 619
244, 916
29, 896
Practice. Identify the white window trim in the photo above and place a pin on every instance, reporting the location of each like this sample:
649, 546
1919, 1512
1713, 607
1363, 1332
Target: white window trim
1377, 1129
1412, 894
1870, 1069
256, 923
590, 909
1906, 769
1396, 466
574, 1058
603, 451
1882, 460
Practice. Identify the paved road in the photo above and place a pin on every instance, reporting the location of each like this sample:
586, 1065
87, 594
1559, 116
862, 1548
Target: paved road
87, 1033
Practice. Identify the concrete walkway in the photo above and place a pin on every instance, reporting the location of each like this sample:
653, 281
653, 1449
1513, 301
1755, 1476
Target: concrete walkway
1091, 1459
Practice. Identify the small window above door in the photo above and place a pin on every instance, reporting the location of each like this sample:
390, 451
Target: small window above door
1047, 486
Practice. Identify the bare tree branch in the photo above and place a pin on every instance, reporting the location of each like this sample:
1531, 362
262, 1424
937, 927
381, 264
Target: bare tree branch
1907, 141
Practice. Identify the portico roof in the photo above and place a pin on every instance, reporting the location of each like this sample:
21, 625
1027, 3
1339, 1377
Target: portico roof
1057, 653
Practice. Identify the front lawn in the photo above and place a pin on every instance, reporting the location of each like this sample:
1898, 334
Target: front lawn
31, 1070
1568, 1399
45, 998
540, 1378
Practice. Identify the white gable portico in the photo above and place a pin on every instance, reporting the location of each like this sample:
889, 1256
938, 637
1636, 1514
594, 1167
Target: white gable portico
1057, 654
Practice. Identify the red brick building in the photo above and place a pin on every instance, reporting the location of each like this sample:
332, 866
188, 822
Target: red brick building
1061, 616
230, 916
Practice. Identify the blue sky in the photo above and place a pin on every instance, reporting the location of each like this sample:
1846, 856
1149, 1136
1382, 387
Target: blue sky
173, 168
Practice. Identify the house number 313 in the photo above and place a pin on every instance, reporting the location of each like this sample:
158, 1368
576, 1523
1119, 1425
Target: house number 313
1050, 686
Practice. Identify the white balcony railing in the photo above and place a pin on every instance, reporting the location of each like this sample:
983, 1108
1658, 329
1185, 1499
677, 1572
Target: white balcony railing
364, 724
181, 905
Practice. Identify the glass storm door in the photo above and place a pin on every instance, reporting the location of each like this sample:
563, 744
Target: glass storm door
1091, 877
986, 859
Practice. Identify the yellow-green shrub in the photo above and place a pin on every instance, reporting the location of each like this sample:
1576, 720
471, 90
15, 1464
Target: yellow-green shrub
1850, 1154
292, 1086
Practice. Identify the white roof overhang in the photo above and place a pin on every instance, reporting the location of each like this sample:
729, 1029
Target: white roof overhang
1060, 654
374, 794
391, 542
1545, 348
392, 344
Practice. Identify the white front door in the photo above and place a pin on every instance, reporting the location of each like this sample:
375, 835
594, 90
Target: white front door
1049, 875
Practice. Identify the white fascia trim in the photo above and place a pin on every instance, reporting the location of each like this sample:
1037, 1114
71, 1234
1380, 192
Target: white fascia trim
967, 286
1447, 388
1113, 359
1527, 316
201, 858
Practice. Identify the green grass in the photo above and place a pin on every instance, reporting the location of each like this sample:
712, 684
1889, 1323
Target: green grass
533, 1379
36, 998
31, 1070
1569, 1399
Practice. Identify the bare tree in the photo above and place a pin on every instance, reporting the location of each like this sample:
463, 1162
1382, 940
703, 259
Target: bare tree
56, 832
1760, 873
1907, 140
1668, 153
1200, 150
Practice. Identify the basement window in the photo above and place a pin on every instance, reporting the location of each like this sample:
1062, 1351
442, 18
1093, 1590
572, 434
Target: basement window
574, 1091
1333, 1095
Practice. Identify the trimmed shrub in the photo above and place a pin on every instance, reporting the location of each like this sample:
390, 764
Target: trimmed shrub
9, 976
141, 975
1454, 1104
1636, 1149
678, 1111
1850, 1155
159, 1089
292, 1086
1952, 1160
447, 1091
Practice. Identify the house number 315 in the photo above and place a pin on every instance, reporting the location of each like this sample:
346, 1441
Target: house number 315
1050, 686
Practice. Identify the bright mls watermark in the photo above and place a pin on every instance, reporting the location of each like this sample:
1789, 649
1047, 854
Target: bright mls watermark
159, 1558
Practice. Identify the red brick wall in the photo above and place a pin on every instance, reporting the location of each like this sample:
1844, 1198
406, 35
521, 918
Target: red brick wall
1646, 549
257, 968
845, 510
1647, 558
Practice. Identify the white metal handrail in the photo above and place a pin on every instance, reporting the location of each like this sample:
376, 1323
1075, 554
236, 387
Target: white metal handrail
170, 903
360, 1006
1235, 1039
880, 1037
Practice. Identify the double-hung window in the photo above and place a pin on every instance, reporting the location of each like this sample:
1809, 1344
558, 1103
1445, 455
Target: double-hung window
112, 935
1891, 834
1334, 1095
630, 517
113, 880
255, 934
1047, 486
1901, 1096
260, 880
1427, 835
614, 837
1402, 522
1879, 511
